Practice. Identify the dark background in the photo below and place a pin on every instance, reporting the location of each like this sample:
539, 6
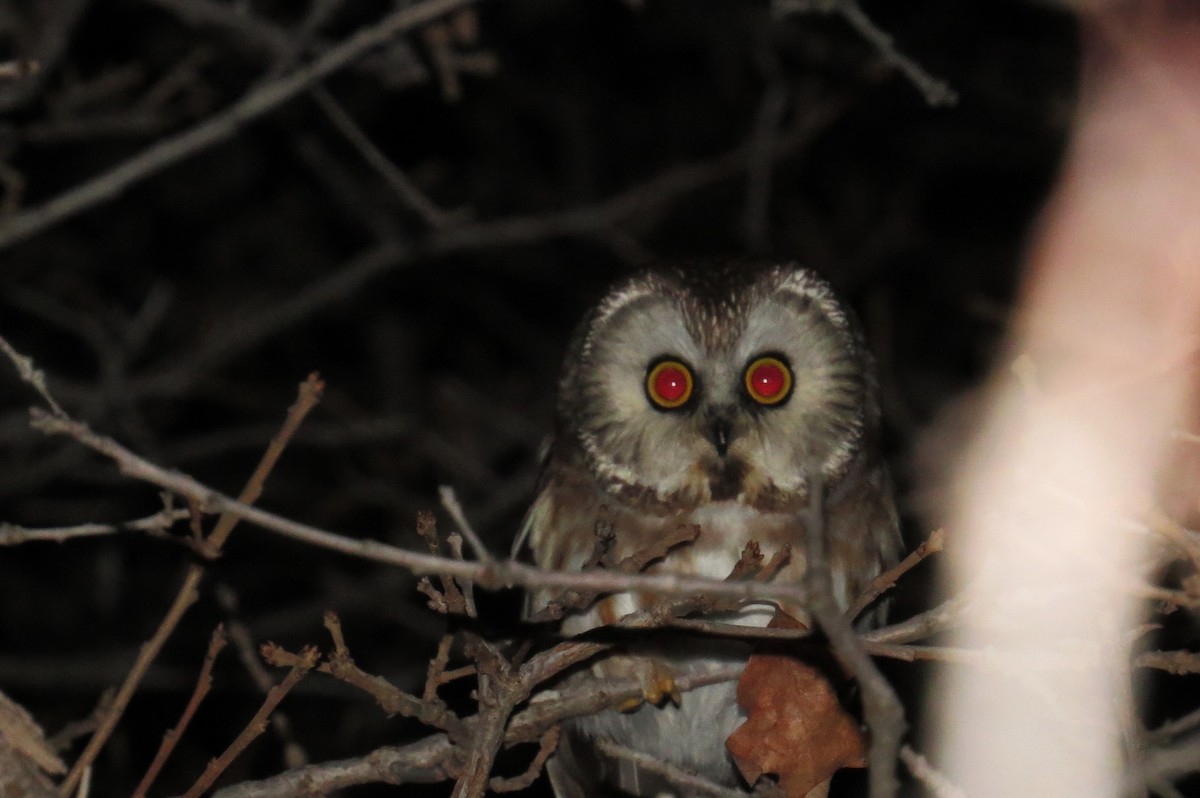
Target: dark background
180, 316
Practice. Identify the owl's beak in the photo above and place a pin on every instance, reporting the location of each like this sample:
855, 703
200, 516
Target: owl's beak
719, 432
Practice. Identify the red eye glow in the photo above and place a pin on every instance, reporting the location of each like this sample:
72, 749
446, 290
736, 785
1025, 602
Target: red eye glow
768, 380
669, 384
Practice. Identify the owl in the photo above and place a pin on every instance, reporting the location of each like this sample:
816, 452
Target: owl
705, 396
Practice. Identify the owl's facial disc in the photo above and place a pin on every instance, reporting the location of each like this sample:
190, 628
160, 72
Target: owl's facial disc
677, 398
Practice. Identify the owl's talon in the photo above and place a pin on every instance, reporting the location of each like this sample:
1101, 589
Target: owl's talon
658, 686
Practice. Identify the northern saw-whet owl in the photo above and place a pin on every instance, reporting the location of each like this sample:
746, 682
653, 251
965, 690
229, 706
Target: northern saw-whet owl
704, 396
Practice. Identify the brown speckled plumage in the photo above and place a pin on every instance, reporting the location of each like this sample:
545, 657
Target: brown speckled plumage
645, 471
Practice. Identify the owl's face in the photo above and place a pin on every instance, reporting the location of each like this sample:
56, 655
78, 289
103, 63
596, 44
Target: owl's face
717, 386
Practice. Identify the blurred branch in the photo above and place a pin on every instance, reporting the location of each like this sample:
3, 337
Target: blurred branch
933, 780
936, 91
257, 102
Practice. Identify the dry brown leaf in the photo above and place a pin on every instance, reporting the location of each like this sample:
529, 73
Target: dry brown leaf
795, 727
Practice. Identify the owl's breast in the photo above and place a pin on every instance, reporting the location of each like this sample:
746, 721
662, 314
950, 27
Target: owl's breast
724, 530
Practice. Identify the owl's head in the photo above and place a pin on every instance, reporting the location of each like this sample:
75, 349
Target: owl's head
722, 383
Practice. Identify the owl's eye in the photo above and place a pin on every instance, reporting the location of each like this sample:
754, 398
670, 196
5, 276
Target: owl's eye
669, 384
768, 380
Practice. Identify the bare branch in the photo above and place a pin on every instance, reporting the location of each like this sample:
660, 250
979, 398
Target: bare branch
936, 91
256, 726
32, 375
687, 783
219, 127
454, 508
933, 779
14, 535
187, 594
203, 685
883, 710
887, 580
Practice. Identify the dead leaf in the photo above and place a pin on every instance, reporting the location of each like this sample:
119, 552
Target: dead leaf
795, 727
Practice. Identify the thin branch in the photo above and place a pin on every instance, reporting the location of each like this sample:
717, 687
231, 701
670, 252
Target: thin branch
430, 759
423, 762
256, 726
936, 91
887, 580
14, 535
31, 374
1177, 663
883, 710
452, 506
1165, 764
598, 220
933, 779
687, 783
1173, 728
405, 189
188, 593
220, 126
309, 395
921, 626
501, 573
184, 598
243, 643
547, 747
171, 738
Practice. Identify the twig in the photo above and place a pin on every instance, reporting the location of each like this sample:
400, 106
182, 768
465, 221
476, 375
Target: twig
243, 642
886, 580
220, 126
1177, 663
203, 685
1174, 728
1175, 532
598, 219
394, 701
883, 710
687, 783
1164, 764
927, 774
936, 91
184, 598
548, 743
451, 599
256, 726
14, 535
31, 374
309, 395
923, 625
452, 506
501, 573
499, 691
412, 197
431, 759
422, 762
188, 590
